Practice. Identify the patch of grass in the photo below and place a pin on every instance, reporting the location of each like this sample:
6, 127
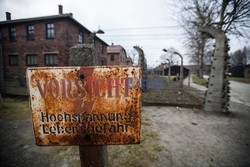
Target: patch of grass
240, 79
150, 134
166, 76
145, 154
145, 122
199, 81
65, 156
17, 109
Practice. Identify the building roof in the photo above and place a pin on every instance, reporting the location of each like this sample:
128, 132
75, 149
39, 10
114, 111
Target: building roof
34, 19
52, 17
114, 49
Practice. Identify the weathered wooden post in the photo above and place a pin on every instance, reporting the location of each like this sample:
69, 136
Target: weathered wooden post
90, 156
86, 105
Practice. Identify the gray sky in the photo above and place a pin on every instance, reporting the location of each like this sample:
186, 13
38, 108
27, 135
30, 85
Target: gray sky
151, 24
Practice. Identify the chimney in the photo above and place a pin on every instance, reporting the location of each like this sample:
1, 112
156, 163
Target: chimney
60, 7
8, 16
71, 14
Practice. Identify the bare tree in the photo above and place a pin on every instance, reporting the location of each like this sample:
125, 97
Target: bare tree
134, 55
196, 43
215, 19
248, 54
240, 56
169, 56
228, 16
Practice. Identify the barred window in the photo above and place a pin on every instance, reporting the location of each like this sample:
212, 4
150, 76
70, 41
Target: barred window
112, 57
31, 59
30, 32
50, 31
13, 60
12, 34
51, 59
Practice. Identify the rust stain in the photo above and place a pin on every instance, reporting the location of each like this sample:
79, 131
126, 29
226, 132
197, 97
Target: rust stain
85, 105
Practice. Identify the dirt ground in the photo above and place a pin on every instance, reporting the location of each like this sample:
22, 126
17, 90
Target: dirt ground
185, 137
197, 138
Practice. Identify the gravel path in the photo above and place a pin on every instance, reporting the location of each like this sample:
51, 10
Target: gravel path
196, 138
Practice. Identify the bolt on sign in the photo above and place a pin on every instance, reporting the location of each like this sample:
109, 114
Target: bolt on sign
95, 105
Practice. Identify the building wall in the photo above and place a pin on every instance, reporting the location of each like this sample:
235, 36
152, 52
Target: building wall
101, 47
119, 58
40, 45
247, 72
66, 36
101, 50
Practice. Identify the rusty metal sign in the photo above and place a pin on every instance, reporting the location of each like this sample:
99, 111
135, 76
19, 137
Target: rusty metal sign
85, 105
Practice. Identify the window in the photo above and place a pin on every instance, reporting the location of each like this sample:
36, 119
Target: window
31, 59
51, 59
30, 32
50, 31
80, 37
112, 57
102, 48
13, 60
12, 34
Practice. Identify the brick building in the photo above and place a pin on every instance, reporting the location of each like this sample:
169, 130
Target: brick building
40, 41
116, 55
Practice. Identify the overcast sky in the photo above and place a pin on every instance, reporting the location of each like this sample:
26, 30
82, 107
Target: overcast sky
151, 24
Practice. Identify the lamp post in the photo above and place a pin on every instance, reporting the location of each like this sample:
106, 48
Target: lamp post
93, 34
181, 68
92, 41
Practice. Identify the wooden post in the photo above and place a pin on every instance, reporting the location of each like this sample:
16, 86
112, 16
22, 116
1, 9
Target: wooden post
93, 156
90, 156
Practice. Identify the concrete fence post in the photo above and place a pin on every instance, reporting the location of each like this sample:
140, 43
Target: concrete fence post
143, 63
90, 156
217, 97
189, 76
